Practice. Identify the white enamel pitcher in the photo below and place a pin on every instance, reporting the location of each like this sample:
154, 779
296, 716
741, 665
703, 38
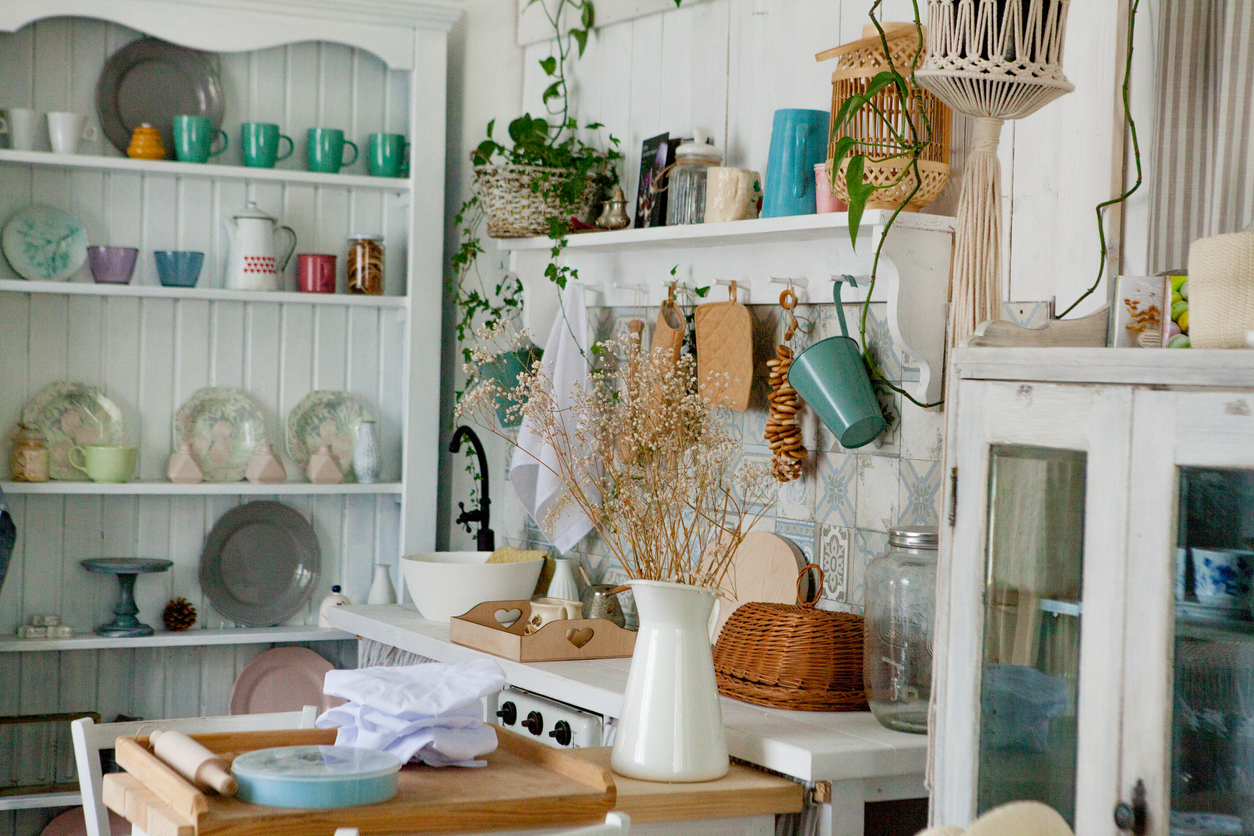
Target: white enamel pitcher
251, 263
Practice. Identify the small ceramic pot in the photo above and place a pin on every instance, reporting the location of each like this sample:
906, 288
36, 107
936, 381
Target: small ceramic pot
264, 468
322, 469
183, 468
146, 144
112, 265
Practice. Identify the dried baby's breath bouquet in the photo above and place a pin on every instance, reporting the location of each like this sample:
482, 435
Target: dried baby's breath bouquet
642, 452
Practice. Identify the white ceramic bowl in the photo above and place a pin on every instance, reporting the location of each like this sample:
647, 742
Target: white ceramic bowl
445, 584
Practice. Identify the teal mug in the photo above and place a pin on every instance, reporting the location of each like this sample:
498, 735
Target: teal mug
831, 377
259, 144
325, 148
194, 137
386, 155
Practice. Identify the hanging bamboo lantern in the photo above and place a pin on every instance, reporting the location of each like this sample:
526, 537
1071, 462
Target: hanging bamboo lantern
887, 160
993, 60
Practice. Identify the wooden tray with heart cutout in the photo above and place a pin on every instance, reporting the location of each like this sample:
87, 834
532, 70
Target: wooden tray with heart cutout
497, 627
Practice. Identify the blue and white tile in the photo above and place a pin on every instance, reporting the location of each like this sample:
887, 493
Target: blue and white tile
920, 492
754, 456
878, 496
833, 545
836, 489
796, 498
732, 421
800, 532
922, 432
887, 443
867, 545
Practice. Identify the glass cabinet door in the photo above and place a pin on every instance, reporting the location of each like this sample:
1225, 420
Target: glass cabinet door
1031, 612
1191, 706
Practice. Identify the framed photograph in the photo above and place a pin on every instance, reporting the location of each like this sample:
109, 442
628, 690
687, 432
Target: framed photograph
1136, 320
651, 203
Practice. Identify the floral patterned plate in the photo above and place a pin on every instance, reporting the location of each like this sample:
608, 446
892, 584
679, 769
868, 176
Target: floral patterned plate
44, 244
69, 414
224, 428
326, 418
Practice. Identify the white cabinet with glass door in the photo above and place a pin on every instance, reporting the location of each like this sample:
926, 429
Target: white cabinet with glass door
1094, 614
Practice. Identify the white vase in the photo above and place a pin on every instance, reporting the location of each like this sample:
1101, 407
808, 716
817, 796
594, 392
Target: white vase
671, 726
563, 583
366, 454
381, 590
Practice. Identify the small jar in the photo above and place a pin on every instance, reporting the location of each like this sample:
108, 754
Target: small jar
28, 461
900, 618
365, 264
685, 202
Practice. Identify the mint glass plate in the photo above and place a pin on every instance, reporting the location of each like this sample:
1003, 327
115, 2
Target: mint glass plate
69, 414
43, 243
224, 428
326, 419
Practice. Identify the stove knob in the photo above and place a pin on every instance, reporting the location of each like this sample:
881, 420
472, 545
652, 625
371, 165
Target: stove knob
561, 733
534, 723
508, 713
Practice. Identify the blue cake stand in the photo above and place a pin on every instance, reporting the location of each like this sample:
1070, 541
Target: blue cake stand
124, 623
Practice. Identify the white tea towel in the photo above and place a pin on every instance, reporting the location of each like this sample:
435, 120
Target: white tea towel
426, 690
533, 471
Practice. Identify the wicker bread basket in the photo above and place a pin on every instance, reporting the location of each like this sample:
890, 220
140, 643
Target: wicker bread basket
792, 656
519, 199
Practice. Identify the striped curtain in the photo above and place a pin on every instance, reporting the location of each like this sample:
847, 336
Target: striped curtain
1202, 181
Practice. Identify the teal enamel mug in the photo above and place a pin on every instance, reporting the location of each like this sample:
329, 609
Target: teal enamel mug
831, 377
325, 150
260, 142
798, 144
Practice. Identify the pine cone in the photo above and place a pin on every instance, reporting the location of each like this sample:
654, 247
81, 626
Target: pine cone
178, 615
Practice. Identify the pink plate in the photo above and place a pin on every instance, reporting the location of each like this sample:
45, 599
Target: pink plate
71, 823
282, 679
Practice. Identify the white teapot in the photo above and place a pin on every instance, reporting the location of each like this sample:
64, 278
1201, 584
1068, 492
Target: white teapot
251, 263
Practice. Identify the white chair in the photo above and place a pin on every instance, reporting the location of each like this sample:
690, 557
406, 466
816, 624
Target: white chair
90, 738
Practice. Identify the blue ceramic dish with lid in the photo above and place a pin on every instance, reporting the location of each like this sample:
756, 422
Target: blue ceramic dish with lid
310, 777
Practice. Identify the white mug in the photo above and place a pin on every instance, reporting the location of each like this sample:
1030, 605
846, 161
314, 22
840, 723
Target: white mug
66, 129
731, 194
19, 124
545, 610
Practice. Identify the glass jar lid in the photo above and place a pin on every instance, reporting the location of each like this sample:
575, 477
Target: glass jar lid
698, 150
914, 537
356, 236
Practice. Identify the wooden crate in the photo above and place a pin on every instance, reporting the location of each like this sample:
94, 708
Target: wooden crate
557, 641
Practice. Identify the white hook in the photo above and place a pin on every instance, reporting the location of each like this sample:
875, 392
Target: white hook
792, 282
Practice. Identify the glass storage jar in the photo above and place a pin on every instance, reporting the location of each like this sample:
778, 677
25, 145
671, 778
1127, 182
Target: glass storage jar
365, 264
28, 461
900, 617
685, 202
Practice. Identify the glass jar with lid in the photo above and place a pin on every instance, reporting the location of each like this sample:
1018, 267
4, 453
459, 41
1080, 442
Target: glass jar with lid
365, 264
900, 608
685, 202
28, 461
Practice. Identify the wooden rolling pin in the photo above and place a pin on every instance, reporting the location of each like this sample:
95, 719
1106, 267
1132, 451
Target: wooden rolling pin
193, 761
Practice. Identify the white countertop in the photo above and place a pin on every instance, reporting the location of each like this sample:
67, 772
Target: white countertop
809, 745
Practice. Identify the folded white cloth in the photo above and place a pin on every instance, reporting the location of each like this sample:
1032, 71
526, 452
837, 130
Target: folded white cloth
430, 713
532, 469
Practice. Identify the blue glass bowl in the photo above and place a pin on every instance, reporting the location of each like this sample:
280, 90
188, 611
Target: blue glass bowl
178, 268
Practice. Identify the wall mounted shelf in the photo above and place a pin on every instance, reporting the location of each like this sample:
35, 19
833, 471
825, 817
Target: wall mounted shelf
208, 294
199, 489
188, 638
632, 267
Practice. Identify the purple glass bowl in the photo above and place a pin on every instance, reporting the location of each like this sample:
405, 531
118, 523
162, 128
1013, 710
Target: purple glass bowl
112, 265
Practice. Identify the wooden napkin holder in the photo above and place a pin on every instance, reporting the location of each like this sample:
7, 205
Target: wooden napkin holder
557, 641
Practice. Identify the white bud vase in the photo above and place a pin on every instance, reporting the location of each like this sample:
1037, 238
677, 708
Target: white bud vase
671, 726
366, 455
381, 590
563, 583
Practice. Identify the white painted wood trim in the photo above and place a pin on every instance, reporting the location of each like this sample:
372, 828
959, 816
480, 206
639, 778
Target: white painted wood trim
206, 294
533, 26
211, 171
198, 489
189, 638
1143, 366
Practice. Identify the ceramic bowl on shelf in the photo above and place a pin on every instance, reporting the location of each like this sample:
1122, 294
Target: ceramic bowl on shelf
445, 584
112, 265
178, 268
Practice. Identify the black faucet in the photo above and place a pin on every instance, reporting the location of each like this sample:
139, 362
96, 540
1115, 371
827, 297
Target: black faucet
485, 540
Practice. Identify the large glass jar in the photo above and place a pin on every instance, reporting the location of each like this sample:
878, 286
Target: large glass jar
365, 264
900, 616
28, 461
685, 201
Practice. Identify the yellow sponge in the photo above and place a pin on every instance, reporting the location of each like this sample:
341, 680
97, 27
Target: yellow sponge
509, 554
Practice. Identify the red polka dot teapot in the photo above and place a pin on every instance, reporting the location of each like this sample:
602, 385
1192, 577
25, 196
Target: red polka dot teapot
251, 263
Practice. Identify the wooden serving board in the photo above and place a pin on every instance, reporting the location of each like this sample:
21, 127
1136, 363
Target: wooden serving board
763, 569
525, 785
557, 641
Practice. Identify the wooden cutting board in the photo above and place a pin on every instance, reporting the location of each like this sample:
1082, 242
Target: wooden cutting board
764, 569
725, 353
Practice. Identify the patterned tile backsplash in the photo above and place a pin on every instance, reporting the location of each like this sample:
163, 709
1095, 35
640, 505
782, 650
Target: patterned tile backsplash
840, 511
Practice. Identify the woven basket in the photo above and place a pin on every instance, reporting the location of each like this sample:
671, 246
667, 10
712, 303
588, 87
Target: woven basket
884, 172
519, 199
792, 656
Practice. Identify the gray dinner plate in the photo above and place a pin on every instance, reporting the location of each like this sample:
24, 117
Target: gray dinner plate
151, 80
260, 564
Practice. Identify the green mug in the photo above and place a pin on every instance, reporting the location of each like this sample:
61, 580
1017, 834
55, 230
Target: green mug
325, 149
105, 462
831, 377
194, 137
386, 155
259, 144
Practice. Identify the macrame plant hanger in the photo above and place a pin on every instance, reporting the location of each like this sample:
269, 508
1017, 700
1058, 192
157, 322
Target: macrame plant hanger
993, 60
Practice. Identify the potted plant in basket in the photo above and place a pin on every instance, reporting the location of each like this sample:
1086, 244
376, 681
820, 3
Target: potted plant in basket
647, 458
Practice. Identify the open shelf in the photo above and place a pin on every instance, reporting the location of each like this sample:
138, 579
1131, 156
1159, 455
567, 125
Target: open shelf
198, 489
40, 800
212, 171
202, 293
189, 638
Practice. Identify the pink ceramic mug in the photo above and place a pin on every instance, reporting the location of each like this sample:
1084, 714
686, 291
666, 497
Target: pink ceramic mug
825, 200
315, 273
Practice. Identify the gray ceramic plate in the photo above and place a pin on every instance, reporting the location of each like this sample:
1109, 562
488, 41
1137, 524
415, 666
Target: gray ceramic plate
153, 81
260, 564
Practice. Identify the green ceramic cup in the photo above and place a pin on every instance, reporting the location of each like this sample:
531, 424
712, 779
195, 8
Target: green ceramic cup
105, 462
259, 144
386, 155
194, 137
325, 149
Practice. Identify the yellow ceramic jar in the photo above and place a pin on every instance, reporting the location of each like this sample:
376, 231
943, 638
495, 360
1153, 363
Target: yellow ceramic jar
146, 144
